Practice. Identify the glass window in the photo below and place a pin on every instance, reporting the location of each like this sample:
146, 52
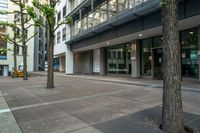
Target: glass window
146, 56
103, 13
58, 37
59, 17
112, 8
40, 46
122, 5
96, 18
64, 11
84, 23
64, 34
118, 60
77, 27
3, 52
189, 53
157, 42
134, 3
90, 20
40, 33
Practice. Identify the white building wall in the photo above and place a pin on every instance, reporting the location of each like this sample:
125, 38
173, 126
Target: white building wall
60, 48
30, 51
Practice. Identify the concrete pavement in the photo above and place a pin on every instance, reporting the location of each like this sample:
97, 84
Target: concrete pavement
88, 105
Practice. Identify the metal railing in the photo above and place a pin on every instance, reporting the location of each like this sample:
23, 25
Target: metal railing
99, 15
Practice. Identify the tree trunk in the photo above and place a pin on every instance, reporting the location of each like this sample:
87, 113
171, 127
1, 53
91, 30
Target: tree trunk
50, 72
172, 111
24, 47
25, 62
14, 74
50, 49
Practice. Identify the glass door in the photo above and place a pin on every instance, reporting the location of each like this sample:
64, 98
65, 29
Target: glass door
1, 70
157, 63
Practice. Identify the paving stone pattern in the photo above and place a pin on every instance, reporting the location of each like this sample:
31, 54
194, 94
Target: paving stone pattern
83, 105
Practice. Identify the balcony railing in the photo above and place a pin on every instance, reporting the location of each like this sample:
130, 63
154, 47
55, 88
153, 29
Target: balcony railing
104, 13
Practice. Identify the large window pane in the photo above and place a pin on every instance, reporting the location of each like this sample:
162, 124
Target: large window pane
146, 57
90, 20
103, 13
77, 27
189, 53
118, 60
122, 5
112, 8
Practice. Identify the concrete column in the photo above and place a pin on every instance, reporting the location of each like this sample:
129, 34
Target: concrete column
135, 59
102, 61
199, 49
62, 63
69, 60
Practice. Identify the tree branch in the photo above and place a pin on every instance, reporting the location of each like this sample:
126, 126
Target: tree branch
31, 37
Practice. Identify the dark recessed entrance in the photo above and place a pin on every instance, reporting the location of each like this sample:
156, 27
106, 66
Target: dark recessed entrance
1, 70
157, 60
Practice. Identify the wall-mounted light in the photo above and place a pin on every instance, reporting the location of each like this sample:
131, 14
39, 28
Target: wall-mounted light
107, 43
140, 35
191, 32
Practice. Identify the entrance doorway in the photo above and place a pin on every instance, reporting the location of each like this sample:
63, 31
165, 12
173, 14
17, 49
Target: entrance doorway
157, 56
1, 70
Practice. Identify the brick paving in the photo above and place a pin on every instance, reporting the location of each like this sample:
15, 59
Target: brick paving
82, 104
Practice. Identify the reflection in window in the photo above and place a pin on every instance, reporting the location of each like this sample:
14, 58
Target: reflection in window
134, 3
3, 52
112, 8
77, 27
103, 12
122, 5
189, 53
96, 19
84, 23
58, 37
90, 20
146, 57
118, 60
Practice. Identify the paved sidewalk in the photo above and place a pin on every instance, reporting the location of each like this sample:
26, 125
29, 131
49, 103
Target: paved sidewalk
8, 123
92, 104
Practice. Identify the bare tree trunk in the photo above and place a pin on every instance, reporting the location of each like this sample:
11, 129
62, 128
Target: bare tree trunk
14, 74
50, 72
25, 62
15, 57
24, 47
172, 111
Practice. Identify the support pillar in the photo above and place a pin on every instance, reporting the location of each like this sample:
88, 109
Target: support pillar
199, 49
102, 61
135, 59
69, 60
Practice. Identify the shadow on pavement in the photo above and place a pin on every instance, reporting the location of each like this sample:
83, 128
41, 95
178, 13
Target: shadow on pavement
145, 121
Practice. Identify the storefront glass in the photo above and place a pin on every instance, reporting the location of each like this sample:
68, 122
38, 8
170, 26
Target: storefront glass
189, 53
119, 59
146, 57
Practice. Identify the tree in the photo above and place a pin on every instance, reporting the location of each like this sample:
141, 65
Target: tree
15, 40
48, 11
23, 24
172, 110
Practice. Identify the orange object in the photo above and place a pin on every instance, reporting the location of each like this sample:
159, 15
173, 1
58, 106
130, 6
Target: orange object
20, 74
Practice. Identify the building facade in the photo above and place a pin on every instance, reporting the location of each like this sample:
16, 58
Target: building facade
3, 44
36, 45
124, 37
